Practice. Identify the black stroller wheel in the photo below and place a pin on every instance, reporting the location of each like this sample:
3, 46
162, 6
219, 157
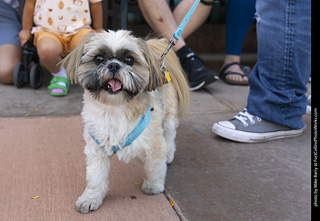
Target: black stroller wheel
18, 75
35, 76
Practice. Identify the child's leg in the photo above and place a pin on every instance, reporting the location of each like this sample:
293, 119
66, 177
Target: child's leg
50, 48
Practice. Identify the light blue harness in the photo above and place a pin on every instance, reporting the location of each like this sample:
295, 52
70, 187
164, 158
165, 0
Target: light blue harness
135, 133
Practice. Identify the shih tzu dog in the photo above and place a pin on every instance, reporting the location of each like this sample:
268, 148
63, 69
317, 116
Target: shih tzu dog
131, 107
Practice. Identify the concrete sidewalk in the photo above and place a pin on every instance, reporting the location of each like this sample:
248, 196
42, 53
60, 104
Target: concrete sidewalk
211, 178
42, 172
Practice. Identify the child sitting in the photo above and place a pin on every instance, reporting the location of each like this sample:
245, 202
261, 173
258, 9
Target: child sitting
60, 26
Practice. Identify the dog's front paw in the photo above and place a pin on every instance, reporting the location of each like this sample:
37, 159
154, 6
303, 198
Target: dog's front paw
170, 157
151, 189
85, 205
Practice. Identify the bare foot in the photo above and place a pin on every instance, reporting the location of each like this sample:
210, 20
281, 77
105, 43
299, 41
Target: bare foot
235, 77
234, 68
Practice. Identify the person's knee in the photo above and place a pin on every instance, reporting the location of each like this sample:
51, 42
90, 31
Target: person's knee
6, 74
48, 52
10, 55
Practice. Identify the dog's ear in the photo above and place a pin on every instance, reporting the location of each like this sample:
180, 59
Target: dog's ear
153, 61
72, 61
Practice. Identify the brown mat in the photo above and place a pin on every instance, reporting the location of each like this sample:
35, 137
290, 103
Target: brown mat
44, 157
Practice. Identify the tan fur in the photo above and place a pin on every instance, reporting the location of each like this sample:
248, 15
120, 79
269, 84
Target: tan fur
174, 68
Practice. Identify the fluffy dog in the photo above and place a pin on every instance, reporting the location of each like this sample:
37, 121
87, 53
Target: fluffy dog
124, 86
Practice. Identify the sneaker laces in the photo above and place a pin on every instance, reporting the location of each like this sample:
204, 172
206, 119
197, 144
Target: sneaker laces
244, 116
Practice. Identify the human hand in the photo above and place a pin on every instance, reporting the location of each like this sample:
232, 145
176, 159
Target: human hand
24, 36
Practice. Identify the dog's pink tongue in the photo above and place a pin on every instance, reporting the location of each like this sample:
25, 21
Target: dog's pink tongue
115, 84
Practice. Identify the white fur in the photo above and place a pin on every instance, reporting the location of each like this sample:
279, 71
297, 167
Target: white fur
111, 117
110, 124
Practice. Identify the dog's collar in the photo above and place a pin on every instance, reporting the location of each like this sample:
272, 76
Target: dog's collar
135, 133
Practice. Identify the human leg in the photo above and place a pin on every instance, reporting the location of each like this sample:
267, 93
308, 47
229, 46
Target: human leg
10, 50
10, 55
276, 100
161, 19
191, 63
199, 16
278, 80
50, 49
239, 18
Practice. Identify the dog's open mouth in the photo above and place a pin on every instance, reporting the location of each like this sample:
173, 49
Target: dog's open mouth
114, 85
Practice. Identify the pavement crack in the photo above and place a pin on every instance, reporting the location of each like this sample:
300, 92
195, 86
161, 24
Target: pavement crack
174, 205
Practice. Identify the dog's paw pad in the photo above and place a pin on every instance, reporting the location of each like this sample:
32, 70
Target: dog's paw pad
152, 190
84, 205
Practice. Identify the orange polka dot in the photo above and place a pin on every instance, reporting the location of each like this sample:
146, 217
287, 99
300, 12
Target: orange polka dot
61, 4
50, 21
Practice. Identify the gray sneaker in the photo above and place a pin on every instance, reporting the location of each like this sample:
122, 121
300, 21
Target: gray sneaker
248, 128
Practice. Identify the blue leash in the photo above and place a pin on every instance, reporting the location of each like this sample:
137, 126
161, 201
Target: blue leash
175, 37
184, 22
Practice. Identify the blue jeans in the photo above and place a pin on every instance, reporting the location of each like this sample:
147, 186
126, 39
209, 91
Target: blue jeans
10, 25
278, 80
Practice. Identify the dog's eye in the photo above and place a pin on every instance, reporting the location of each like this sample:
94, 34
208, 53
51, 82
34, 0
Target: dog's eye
129, 60
98, 59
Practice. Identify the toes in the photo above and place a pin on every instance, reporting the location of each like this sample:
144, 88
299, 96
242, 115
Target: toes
152, 189
237, 78
85, 205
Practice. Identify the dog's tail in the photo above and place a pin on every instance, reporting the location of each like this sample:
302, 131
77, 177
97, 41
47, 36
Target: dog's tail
178, 79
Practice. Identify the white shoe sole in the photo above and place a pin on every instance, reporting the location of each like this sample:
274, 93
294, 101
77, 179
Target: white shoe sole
197, 87
308, 109
248, 137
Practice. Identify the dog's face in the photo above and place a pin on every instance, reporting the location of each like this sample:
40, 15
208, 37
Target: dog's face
114, 66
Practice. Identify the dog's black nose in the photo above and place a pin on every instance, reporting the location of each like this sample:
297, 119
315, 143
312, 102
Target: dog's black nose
114, 67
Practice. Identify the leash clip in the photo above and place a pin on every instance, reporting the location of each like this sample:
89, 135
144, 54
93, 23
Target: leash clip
174, 38
172, 42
